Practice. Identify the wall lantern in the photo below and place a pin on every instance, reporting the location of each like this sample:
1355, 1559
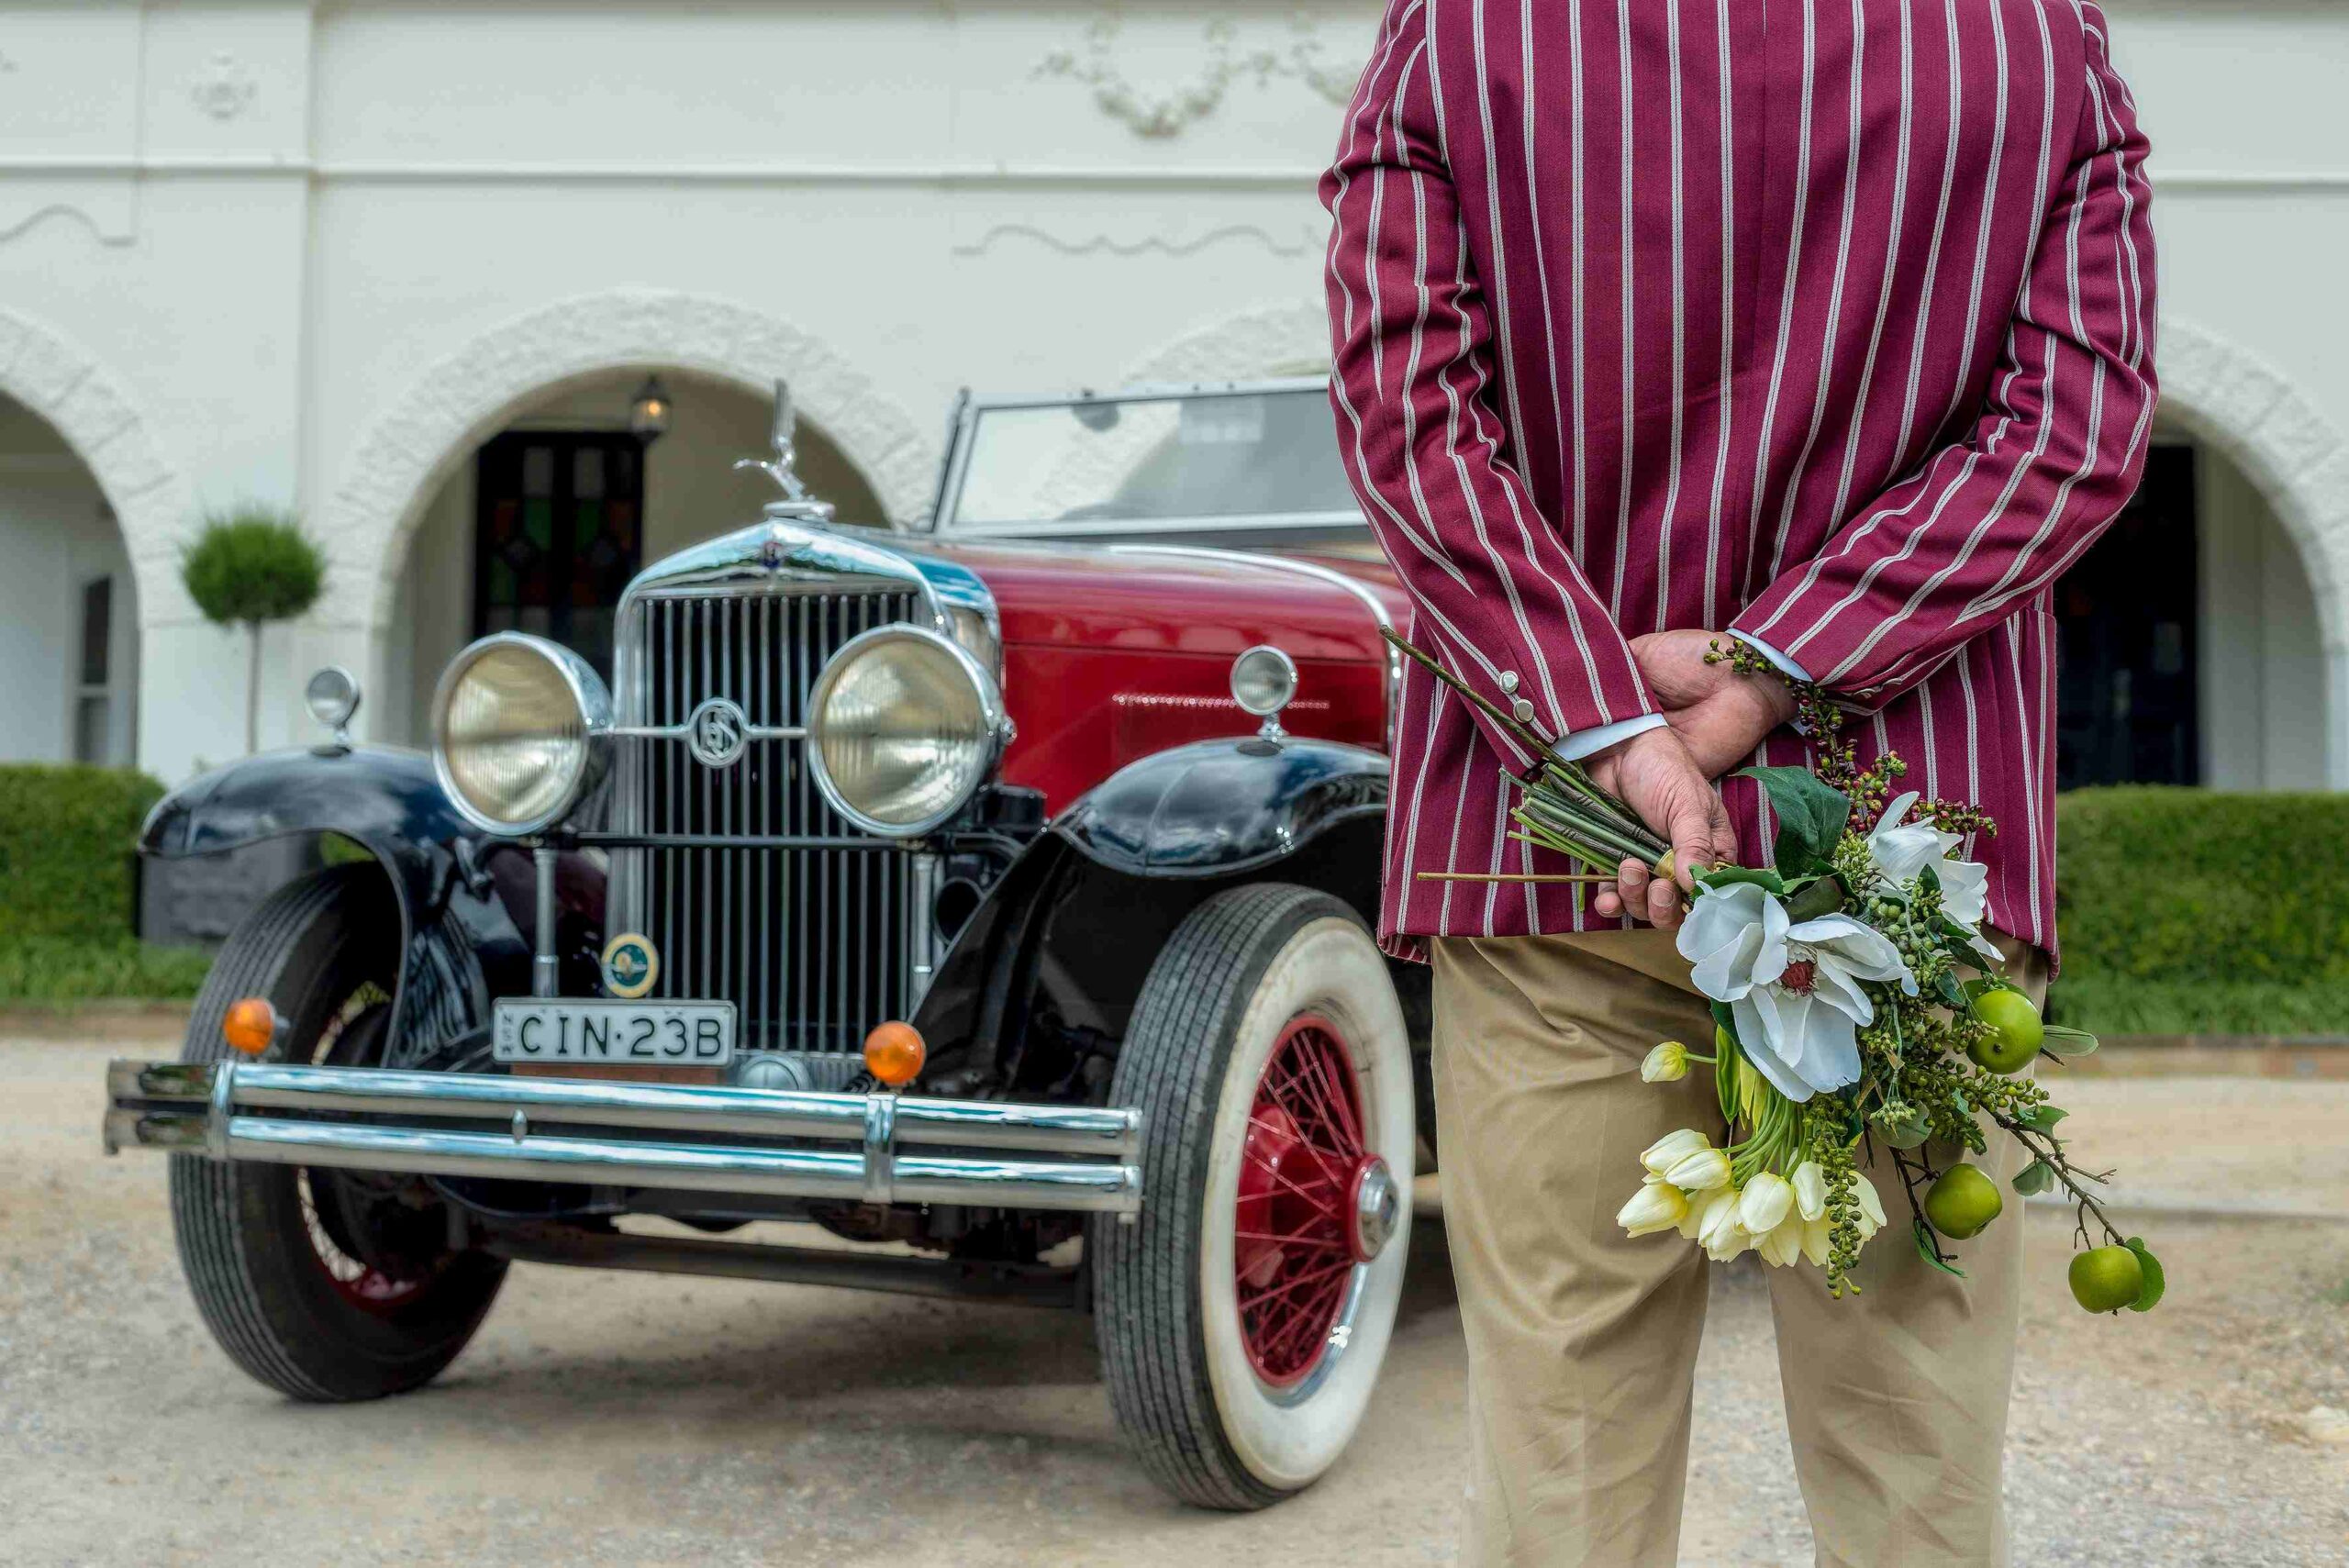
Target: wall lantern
647, 415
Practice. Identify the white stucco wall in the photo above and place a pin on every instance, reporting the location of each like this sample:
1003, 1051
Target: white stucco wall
314, 254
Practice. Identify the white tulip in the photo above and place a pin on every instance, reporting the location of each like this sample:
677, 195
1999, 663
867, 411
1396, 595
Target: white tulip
1672, 1147
1871, 1207
1718, 1230
1783, 1245
1818, 1241
1811, 1189
1657, 1206
1767, 1200
1667, 1063
1702, 1172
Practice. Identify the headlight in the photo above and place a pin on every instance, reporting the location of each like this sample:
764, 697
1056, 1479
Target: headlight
519, 728
902, 729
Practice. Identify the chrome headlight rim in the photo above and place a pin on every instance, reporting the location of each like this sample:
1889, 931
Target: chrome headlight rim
587, 690
995, 722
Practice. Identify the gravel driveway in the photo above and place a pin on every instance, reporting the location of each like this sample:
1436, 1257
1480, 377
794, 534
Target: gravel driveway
642, 1420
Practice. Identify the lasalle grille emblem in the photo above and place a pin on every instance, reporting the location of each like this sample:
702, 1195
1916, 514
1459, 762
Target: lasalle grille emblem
718, 731
631, 963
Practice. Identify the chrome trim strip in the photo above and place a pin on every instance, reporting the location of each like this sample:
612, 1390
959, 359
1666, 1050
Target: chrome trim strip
1331, 576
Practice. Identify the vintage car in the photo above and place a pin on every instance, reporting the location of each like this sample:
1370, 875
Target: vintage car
994, 896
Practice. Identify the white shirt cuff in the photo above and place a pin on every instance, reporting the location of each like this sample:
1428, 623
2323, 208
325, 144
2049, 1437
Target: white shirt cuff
1574, 748
1785, 665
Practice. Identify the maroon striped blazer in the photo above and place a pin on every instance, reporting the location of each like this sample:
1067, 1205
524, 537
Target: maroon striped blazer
1829, 322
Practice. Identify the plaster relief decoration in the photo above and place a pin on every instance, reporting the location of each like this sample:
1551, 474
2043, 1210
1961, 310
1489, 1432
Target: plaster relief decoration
223, 88
1130, 234
1165, 113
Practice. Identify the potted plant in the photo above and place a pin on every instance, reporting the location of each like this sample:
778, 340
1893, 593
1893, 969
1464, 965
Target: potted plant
250, 566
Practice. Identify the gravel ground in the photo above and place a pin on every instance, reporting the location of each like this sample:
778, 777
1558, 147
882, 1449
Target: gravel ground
632, 1419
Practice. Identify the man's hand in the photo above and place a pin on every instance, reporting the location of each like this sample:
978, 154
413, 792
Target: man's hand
1654, 775
1719, 713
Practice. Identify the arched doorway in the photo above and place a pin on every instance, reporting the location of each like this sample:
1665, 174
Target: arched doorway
553, 512
68, 609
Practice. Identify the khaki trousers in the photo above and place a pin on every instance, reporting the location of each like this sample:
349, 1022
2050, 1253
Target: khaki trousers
1582, 1342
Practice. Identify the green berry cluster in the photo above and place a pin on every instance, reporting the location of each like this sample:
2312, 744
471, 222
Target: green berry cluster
1829, 1139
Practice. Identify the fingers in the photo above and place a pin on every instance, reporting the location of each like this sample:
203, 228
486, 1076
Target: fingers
1630, 892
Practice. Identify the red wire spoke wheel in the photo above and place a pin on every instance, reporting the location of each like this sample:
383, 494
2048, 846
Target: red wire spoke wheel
1297, 1230
1244, 1313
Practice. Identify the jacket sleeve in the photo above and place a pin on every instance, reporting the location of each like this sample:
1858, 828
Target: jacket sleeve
1987, 523
1496, 593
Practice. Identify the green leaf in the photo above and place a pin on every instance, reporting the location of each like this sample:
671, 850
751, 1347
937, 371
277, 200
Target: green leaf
1906, 1133
1811, 817
2156, 1282
1947, 988
2043, 1118
2035, 1178
1925, 1249
1812, 897
1723, 876
2061, 1040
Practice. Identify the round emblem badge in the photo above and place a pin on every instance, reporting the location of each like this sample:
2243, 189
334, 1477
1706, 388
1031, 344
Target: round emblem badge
716, 732
631, 963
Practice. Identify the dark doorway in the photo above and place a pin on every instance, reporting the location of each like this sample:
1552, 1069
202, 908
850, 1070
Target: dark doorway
2128, 696
558, 532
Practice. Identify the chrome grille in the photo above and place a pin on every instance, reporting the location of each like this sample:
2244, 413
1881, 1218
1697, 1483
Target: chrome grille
776, 902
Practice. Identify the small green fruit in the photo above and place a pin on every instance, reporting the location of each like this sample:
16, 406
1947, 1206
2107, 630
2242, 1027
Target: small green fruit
2106, 1279
2016, 1032
1962, 1202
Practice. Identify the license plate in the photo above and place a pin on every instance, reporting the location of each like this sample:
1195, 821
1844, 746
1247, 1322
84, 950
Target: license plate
694, 1034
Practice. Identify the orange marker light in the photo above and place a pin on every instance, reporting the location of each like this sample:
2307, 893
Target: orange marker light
251, 1026
894, 1053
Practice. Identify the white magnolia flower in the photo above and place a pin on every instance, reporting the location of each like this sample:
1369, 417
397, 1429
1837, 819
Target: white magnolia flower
1669, 1150
1667, 1063
1718, 1230
1657, 1206
1901, 848
1794, 990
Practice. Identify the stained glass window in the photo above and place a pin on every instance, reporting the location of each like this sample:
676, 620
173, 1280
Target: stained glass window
558, 533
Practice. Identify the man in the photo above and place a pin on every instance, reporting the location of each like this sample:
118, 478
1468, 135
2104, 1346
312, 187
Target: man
1823, 325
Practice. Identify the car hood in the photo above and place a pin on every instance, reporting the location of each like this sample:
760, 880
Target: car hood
1175, 599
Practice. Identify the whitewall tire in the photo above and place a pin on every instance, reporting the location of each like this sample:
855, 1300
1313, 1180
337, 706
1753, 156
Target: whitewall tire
1244, 1315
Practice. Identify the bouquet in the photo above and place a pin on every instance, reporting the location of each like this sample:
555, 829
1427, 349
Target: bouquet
1859, 1013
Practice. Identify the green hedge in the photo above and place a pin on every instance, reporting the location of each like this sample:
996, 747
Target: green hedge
2200, 911
67, 835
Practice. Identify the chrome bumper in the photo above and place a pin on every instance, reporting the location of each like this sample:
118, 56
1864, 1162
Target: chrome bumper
1012, 1156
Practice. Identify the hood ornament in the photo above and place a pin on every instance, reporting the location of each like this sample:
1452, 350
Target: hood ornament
799, 503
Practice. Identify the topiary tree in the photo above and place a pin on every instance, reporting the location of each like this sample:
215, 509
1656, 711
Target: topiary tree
250, 566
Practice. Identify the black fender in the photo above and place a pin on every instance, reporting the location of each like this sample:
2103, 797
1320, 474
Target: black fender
1216, 807
459, 942
1133, 858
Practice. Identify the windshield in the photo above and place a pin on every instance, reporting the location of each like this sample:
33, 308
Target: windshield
1194, 457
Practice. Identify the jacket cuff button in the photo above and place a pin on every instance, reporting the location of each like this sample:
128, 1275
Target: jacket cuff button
1508, 680
1524, 711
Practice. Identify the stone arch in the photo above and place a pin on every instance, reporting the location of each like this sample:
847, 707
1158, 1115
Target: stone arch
1269, 339
65, 384
444, 414
2290, 449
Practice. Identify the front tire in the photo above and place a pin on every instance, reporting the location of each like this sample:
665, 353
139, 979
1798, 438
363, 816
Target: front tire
326, 1285
1244, 1313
